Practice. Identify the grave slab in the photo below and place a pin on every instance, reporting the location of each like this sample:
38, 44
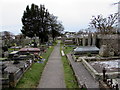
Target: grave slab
86, 49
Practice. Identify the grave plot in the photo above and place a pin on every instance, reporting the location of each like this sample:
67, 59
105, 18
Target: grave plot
100, 63
110, 66
30, 50
96, 68
13, 69
86, 49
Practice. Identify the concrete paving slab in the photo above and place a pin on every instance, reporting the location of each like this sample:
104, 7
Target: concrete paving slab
83, 75
53, 74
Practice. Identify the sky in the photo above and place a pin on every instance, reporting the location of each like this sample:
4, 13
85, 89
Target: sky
74, 14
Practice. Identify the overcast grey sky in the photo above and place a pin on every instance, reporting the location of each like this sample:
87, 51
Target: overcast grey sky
74, 14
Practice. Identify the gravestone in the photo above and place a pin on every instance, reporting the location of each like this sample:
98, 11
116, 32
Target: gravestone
104, 51
111, 53
77, 41
16, 58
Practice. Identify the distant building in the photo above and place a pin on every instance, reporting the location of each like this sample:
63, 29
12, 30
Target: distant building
70, 34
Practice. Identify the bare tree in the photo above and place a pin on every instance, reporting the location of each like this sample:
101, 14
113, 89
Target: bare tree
7, 37
104, 25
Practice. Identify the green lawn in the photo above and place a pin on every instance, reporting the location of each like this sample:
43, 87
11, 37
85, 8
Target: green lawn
12, 49
2, 59
68, 49
31, 78
70, 79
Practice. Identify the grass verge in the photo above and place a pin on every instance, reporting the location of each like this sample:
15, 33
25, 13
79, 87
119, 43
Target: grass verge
1, 59
70, 79
12, 49
31, 78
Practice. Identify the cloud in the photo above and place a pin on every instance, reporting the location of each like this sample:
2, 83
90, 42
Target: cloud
74, 14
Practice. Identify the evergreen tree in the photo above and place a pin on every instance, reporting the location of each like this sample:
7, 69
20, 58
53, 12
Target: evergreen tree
43, 24
29, 21
37, 21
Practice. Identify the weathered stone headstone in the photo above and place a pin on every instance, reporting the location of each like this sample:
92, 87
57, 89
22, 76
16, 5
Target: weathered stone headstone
111, 53
104, 51
77, 42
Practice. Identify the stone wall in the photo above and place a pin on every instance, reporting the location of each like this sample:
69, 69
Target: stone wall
112, 41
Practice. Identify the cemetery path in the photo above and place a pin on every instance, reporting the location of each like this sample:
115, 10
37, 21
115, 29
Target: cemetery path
83, 75
53, 74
